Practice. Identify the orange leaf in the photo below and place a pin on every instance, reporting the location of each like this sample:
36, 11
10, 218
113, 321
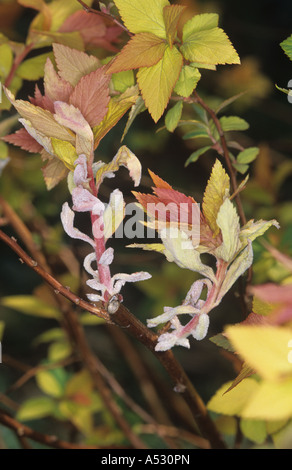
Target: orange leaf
91, 96
142, 50
172, 14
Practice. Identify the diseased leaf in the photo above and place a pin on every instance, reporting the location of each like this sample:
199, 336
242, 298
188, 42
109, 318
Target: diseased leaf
216, 192
265, 348
141, 17
188, 80
173, 116
172, 15
157, 82
73, 64
205, 43
142, 50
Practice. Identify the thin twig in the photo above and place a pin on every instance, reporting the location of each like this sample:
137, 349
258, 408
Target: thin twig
104, 15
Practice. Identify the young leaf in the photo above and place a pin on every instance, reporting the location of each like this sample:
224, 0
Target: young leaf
188, 80
287, 46
173, 116
73, 64
172, 15
206, 43
228, 221
142, 50
54, 172
237, 268
157, 82
141, 17
65, 151
216, 192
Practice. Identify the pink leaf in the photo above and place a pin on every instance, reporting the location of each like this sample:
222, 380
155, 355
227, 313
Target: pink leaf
24, 140
91, 96
56, 89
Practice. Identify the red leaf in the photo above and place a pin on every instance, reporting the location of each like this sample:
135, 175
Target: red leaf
43, 102
93, 30
24, 140
91, 96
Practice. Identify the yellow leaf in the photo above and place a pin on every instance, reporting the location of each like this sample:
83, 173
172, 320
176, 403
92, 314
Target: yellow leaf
264, 348
49, 384
66, 152
216, 192
116, 109
204, 42
233, 402
157, 82
54, 172
272, 401
143, 17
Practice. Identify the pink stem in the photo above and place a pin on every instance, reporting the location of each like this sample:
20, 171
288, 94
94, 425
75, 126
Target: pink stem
103, 270
211, 300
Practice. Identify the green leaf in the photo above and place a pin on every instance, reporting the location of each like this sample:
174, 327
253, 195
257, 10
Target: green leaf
6, 60
241, 168
59, 350
195, 155
206, 43
52, 382
198, 134
123, 80
140, 17
49, 335
33, 69
187, 81
36, 408
3, 150
254, 430
173, 116
287, 47
30, 305
233, 123
248, 155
